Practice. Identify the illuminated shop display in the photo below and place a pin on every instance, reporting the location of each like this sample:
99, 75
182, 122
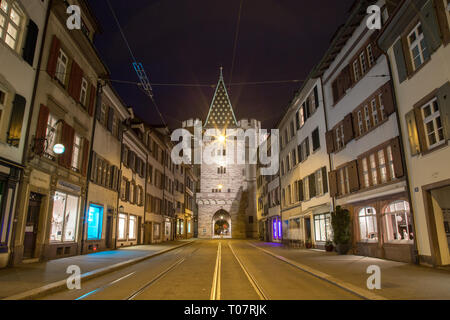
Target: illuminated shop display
122, 225
132, 228
94, 225
322, 227
64, 218
276, 222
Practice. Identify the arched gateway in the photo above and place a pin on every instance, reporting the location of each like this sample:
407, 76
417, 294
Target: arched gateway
221, 224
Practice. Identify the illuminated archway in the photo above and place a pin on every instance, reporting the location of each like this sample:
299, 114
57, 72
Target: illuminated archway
221, 224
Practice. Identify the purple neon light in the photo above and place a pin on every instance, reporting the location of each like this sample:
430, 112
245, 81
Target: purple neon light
279, 229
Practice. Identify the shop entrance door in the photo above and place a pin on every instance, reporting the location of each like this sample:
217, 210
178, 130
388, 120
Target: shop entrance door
109, 231
440, 202
31, 227
308, 228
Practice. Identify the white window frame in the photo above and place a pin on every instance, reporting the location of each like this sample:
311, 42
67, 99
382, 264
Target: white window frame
380, 100
370, 56
373, 105
51, 126
61, 66
367, 117
382, 164
356, 72
432, 118
76, 153
319, 183
373, 168
122, 235
363, 215
360, 123
5, 35
132, 227
417, 43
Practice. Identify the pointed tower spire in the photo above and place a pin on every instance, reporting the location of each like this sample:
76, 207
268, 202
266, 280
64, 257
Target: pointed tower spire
221, 114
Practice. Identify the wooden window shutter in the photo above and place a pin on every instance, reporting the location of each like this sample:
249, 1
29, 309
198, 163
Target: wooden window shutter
30, 42
420, 129
388, 98
312, 185
361, 173
76, 76
307, 109
85, 155
430, 26
324, 180
332, 181
53, 56
92, 94
355, 123
64, 139
348, 128
397, 156
353, 176
413, 135
400, 61
69, 149
442, 19
110, 119
335, 91
407, 55
329, 137
301, 196
443, 96
16, 121
346, 79
307, 147
316, 96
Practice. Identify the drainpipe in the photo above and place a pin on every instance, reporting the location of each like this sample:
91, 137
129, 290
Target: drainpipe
27, 134
100, 86
405, 168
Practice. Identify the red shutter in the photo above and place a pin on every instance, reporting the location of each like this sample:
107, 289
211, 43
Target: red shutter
361, 173
388, 99
76, 75
348, 128
355, 123
92, 99
41, 130
85, 155
53, 56
397, 157
69, 148
329, 137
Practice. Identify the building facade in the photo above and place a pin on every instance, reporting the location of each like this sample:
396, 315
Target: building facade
368, 176
21, 31
105, 172
53, 188
416, 39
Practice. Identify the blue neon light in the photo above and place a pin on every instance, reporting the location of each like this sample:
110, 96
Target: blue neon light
95, 219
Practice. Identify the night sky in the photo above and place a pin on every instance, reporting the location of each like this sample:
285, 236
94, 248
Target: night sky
186, 41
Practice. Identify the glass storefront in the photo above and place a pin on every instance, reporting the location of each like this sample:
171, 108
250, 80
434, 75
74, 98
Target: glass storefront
132, 228
94, 225
156, 231
398, 222
368, 224
64, 218
322, 227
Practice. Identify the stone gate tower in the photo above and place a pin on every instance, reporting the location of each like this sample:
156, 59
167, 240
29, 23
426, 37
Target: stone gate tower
227, 196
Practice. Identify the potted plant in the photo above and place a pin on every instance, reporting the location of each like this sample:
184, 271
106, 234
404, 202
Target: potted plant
308, 244
341, 224
329, 246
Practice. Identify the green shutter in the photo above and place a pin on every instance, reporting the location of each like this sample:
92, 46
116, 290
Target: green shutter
413, 134
400, 61
443, 97
16, 120
430, 26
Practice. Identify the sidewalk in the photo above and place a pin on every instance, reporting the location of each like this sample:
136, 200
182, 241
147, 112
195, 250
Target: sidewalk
398, 280
32, 276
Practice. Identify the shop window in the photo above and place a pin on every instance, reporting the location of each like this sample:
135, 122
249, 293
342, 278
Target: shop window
122, 226
64, 218
322, 226
398, 222
189, 227
132, 228
368, 224
94, 225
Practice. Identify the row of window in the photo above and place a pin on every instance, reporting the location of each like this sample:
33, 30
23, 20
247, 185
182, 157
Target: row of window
376, 167
110, 119
131, 192
358, 67
104, 174
306, 110
366, 117
314, 185
133, 162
